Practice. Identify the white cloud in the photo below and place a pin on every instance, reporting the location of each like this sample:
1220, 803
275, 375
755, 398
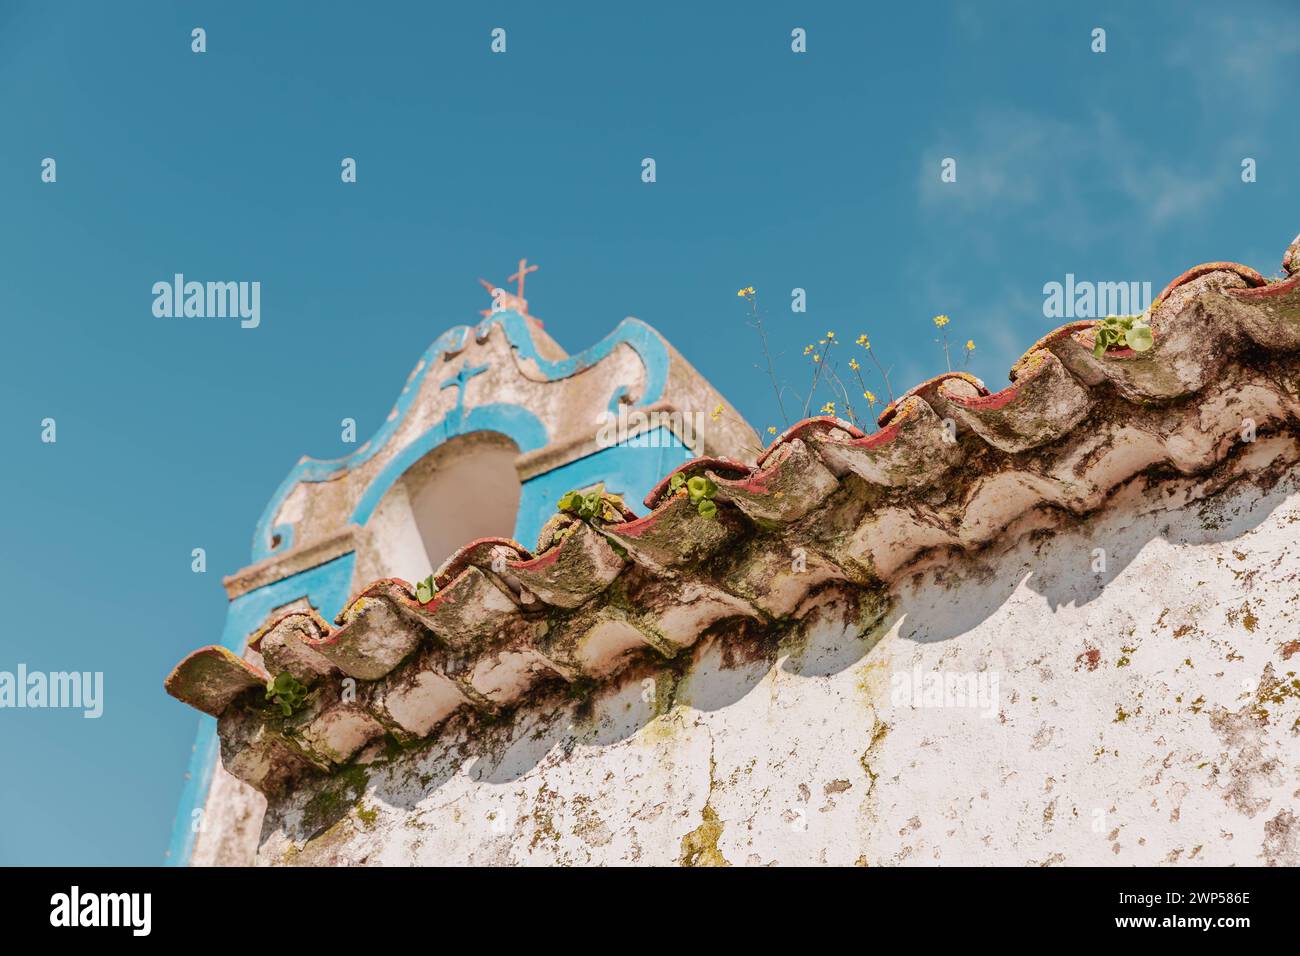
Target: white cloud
1085, 180
1241, 62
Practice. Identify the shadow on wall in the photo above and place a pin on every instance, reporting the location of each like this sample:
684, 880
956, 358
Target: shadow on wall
973, 590
732, 659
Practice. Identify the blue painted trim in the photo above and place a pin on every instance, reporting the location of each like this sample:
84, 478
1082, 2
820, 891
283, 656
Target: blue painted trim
327, 587
645, 341
515, 422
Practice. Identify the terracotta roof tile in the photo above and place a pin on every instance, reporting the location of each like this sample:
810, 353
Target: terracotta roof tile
1247, 274
697, 466
1291, 260
211, 678
791, 482
960, 384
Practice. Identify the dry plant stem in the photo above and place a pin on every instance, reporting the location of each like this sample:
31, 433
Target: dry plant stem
794, 391
883, 374
744, 425
820, 361
871, 407
767, 357
844, 394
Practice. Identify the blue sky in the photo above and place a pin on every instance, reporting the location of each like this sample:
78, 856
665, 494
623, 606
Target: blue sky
775, 170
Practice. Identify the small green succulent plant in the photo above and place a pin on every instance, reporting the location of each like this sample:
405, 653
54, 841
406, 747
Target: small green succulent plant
287, 692
592, 505
700, 490
425, 590
1122, 331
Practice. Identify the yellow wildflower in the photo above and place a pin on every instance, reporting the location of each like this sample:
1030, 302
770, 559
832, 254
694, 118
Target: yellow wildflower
828, 408
864, 341
771, 429
870, 397
940, 321
748, 290
970, 345
808, 349
817, 358
830, 335
853, 364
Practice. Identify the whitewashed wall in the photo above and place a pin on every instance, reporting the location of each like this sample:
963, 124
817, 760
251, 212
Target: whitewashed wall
1144, 714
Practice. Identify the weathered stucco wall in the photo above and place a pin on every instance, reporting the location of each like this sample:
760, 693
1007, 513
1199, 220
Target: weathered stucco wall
1142, 711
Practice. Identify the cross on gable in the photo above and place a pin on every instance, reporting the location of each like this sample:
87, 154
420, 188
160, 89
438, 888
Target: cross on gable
459, 381
505, 300
520, 275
